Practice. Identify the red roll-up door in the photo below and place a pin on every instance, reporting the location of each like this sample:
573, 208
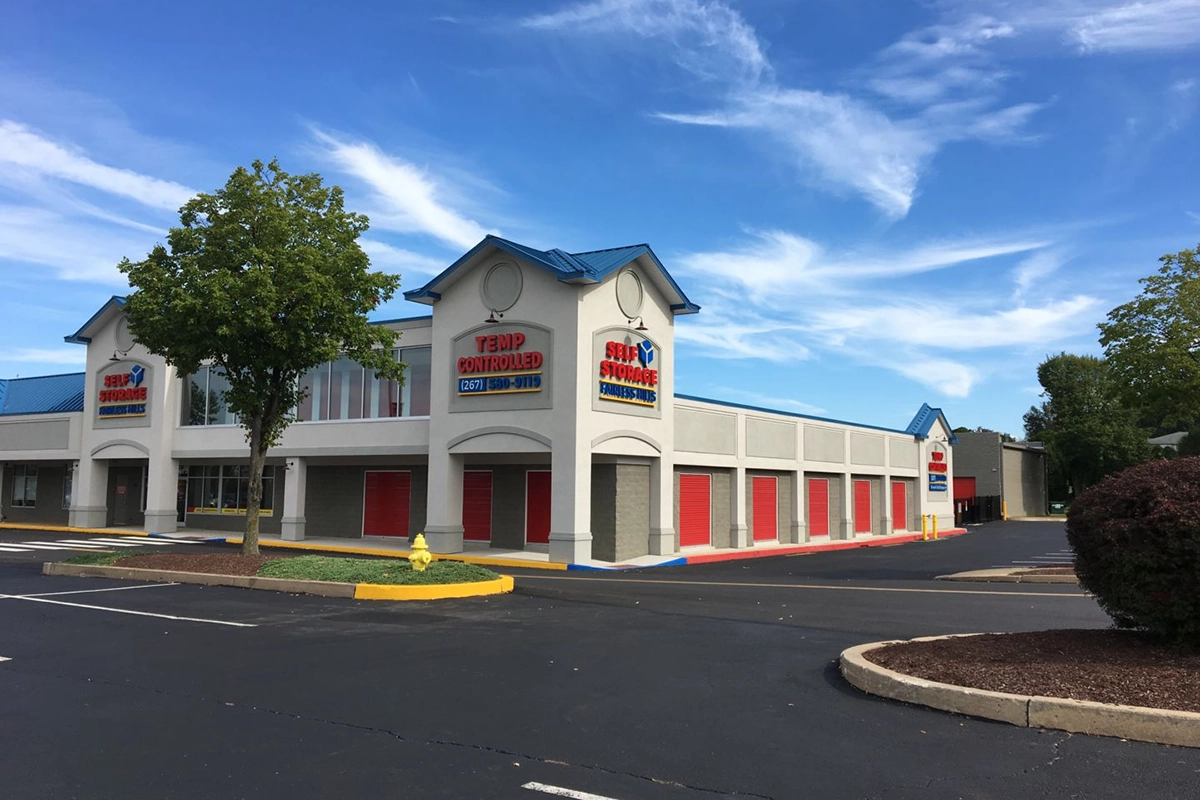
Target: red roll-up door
818, 506
899, 506
386, 499
537, 507
964, 489
695, 510
862, 506
477, 506
765, 501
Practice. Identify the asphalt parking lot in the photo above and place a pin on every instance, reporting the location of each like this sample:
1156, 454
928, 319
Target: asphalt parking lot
696, 682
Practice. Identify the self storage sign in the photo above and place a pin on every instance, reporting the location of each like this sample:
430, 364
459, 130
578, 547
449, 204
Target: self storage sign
626, 374
123, 394
937, 471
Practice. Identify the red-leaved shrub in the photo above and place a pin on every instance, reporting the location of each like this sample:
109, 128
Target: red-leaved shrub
1136, 537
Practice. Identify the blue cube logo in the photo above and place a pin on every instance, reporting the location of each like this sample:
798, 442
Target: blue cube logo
136, 373
645, 352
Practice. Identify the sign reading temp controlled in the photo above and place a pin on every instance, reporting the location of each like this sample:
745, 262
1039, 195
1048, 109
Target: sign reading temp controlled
123, 394
501, 367
504, 368
938, 469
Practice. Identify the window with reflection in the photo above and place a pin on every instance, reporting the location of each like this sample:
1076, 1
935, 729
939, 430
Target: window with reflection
203, 400
344, 390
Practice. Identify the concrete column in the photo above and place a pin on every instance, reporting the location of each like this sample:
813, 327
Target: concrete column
738, 529
295, 484
662, 507
162, 487
89, 499
798, 532
846, 528
570, 501
443, 526
885, 513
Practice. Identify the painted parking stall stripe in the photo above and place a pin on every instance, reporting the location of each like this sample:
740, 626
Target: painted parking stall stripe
31, 599
559, 791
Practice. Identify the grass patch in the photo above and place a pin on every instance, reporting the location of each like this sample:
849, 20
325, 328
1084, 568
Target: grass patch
96, 559
361, 570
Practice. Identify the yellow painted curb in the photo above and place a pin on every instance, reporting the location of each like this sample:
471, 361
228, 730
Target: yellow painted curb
445, 591
17, 526
485, 561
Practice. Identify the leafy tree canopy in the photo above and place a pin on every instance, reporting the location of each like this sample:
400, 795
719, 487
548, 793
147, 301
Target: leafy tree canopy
1152, 344
265, 280
1087, 430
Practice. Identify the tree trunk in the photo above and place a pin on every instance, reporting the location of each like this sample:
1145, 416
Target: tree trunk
258, 457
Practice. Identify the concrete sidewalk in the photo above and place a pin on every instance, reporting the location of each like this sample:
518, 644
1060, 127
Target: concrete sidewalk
480, 553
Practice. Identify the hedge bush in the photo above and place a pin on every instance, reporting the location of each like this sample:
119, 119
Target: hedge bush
1136, 537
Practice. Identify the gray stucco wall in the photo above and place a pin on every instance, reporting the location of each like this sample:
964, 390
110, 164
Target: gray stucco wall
824, 444
702, 431
620, 511
21, 434
835, 502
770, 439
977, 455
867, 450
783, 502
334, 499
48, 509
1025, 482
721, 479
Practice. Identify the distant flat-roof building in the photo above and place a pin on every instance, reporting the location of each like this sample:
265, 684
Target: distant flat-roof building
985, 466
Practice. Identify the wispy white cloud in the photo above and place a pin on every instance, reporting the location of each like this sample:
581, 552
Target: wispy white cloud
23, 147
1091, 26
409, 199
838, 141
709, 39
67, 356
72, 248
779, 296
747, 397
396, 259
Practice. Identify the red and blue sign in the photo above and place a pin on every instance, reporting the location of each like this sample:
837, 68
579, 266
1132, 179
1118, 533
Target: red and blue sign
124, 394
626, 375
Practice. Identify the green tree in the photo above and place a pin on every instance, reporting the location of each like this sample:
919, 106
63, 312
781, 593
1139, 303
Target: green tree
1087, 430
1153, 345
264, 279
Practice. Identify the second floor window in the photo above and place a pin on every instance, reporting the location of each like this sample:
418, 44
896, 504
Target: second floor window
343, 389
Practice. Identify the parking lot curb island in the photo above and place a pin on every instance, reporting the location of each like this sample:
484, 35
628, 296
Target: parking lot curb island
1160, 726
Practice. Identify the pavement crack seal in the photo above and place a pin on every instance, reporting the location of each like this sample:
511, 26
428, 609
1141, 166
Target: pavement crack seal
401, 737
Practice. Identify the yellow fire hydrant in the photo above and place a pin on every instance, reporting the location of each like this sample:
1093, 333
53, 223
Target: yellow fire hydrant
419, 557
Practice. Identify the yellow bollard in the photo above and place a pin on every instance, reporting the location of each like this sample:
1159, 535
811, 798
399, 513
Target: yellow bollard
1004, 510
924, 527
934, 526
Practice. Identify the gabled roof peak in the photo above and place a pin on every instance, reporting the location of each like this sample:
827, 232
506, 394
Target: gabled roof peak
922, 423
588, 266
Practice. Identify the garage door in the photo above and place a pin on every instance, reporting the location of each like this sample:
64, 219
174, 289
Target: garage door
477, 506
765, 508
862, 506
964, 489
537, 507
818, 506
899, 506
386, 500
695, 510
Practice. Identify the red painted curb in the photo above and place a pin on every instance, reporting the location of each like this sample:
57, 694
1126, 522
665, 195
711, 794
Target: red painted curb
709, 558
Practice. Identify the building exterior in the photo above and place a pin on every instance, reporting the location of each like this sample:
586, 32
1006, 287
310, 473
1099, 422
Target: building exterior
539, 412
1012, 472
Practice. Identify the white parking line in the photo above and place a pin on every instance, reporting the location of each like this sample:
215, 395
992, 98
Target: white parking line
96, 543
40, 546
143, 542
127, 611
90, 591
71, 545
561, 792
14, 549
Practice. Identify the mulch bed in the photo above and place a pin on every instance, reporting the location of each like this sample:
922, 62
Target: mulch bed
208, 563
1049, 571
1105, 666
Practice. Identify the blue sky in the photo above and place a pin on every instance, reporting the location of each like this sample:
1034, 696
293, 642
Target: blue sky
877, 204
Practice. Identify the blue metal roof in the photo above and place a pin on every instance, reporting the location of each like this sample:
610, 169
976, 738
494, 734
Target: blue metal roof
923, 423
80, 336
591, 266
785, 413
48, 394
